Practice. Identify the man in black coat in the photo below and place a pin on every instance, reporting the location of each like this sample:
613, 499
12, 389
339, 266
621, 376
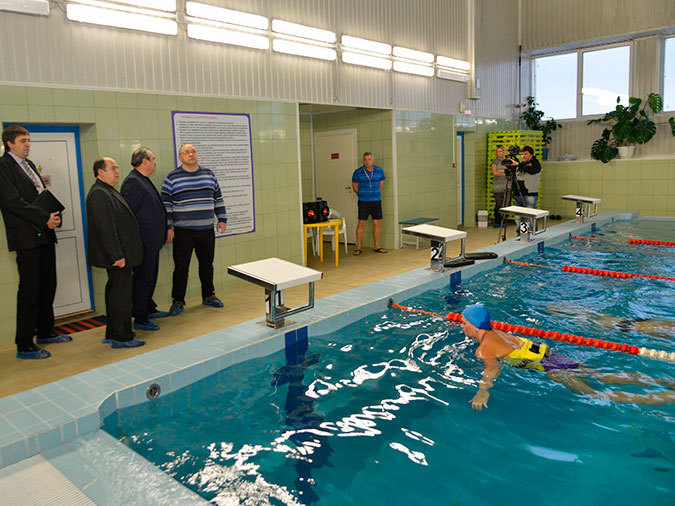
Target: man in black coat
114, 245
144, 199
30, 232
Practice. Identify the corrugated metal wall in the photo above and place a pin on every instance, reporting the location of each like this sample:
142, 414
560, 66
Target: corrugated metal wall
552, 23
54, 51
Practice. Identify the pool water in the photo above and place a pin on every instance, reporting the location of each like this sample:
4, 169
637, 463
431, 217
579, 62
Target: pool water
379, 411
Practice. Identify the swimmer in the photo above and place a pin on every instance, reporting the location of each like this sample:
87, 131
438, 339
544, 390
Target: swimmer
664, 329
494, 345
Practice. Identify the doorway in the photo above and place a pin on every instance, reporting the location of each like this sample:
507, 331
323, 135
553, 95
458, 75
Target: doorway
335, 160
55, 150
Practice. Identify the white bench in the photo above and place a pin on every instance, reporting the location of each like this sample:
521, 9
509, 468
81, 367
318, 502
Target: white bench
584, 206
275, 275
438, 236
529, 219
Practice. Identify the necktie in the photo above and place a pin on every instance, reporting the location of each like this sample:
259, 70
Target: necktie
32, 175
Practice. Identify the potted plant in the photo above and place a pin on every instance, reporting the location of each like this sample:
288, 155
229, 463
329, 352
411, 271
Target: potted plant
627, 126
533, 120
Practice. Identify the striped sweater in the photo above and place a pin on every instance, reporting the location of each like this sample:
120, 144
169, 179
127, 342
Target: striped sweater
191, 199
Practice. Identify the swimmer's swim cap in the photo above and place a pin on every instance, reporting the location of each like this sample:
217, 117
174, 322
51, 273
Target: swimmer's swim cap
478, 316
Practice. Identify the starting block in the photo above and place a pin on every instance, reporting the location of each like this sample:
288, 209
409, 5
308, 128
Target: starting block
584, 206
529, 219
439, 236
275, 275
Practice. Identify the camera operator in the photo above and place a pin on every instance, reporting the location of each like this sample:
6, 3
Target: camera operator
527, 175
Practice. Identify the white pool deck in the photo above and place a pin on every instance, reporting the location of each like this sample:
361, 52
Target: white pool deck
61, 422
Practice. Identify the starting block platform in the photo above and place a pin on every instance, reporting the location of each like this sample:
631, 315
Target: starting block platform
529, 219
439, 236
276, 275
584, 206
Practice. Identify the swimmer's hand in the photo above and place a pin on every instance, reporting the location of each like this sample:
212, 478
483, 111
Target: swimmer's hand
479, 400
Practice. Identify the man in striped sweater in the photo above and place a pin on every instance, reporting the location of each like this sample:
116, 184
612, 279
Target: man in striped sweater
192, 199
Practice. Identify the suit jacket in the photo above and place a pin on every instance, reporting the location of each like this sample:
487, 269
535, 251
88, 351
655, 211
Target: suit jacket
112, 227
25, 224
144, 199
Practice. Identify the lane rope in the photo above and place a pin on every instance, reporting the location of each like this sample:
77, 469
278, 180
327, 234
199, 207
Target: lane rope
629, 241
594, 272
556, 336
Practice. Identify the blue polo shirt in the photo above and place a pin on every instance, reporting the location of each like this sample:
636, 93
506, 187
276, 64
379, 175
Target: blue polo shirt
369, 183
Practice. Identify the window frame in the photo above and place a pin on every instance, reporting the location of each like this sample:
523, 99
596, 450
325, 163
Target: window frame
662, 72
580, 77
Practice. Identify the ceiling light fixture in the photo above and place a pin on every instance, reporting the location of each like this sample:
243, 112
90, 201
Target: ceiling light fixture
230, 37
303, 31
366, 45
413, 54
121, 19
299, 49
366, 60
412, 68
200, 10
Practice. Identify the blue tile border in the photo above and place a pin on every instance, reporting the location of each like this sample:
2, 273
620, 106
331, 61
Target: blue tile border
51, 415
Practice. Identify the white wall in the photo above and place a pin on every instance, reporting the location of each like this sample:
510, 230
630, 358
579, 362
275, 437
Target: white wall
56, 52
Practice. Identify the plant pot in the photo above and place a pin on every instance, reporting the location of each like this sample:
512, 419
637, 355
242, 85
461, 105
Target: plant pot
544, 153
626, 151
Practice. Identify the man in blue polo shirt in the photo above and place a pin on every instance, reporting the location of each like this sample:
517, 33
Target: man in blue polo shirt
367, 182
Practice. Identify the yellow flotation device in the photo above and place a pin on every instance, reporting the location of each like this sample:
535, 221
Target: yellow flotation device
528, 356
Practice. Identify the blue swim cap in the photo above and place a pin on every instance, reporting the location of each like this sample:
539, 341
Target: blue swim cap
478, 316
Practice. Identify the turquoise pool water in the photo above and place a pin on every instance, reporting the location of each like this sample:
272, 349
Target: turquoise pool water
379, 411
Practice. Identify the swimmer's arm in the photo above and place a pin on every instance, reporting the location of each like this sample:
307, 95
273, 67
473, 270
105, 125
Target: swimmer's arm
490, 373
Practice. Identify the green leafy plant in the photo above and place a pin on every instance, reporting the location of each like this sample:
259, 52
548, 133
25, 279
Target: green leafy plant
533, 119
627, 126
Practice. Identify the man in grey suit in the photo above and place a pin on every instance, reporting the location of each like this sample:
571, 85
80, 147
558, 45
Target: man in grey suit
114, 245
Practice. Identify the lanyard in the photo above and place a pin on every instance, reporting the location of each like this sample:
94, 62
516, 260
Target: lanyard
370, 178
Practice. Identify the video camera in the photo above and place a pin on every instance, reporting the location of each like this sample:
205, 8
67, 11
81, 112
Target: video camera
511, 161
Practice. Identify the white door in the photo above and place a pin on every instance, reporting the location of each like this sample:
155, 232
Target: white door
335, 161
55, 155
459, 157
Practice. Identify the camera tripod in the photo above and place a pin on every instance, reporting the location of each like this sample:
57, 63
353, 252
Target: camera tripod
511, 182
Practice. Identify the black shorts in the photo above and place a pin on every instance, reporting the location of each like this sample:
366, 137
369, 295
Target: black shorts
373, 209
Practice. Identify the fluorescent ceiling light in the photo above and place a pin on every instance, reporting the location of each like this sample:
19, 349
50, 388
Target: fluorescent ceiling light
366, 61
160, 5
204, 11
411, 68
452, 75
366, 45
306, 32
119, 19
299, 49
412, 54
453, 63
231, 37
39, 7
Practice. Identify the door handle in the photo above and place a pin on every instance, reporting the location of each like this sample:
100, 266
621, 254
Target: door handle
348, 187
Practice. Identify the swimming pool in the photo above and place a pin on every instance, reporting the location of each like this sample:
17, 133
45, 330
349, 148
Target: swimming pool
378, 411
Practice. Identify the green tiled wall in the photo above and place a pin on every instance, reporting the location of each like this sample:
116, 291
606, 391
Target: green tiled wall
374, 134
114, 124
427, 181
644, 185
306, 158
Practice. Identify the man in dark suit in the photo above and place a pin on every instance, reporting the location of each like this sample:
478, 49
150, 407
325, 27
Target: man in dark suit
114, 245
144, 199
30, 232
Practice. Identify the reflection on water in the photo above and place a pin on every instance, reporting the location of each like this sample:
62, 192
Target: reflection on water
379, 411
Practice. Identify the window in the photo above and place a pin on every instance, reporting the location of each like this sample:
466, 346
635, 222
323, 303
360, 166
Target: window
555, 85
669, 75
606, 76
